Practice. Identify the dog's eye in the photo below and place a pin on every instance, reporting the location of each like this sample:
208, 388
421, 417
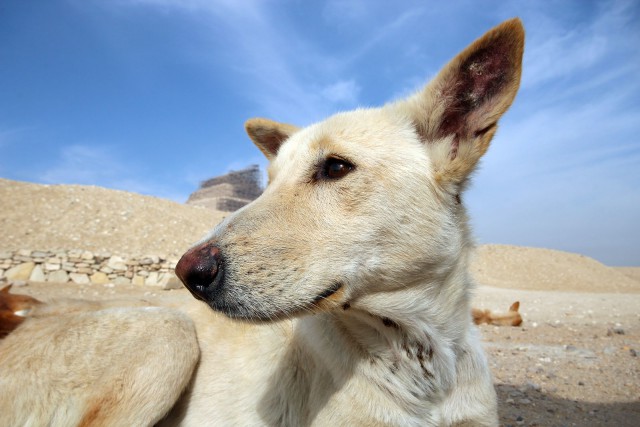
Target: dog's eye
335, 168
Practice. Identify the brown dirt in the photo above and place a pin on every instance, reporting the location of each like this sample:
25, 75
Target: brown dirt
97, 219
574, 361
632, 272
517, 267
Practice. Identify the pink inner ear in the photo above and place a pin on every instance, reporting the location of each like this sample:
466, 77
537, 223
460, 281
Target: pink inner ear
478, 79
272, 142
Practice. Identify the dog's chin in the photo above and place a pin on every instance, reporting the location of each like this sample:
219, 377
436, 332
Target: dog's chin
253, 311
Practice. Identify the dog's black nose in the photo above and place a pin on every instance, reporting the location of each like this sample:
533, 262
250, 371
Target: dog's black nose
199, 268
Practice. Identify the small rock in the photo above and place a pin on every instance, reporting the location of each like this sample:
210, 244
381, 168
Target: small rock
74, 253
37, 275
117, 263
79, 278
99, 278
633, 352
152, 279
609, 350
101, 256
532, 386
58, 276
149, 259
138, 280
122, 281
170, 282
51, 266
580, 383
20, 271
68, 266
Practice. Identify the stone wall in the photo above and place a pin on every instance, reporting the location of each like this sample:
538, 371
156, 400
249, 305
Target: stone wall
84, 267
228, 192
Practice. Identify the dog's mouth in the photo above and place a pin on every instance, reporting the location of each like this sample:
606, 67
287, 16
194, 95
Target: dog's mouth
248, 311
327, 294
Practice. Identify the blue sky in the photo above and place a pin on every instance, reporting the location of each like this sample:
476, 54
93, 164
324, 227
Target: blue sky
150, 96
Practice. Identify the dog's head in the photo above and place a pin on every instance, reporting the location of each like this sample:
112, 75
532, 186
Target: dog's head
366, 201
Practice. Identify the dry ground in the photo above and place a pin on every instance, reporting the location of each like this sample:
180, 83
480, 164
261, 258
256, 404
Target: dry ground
573, 362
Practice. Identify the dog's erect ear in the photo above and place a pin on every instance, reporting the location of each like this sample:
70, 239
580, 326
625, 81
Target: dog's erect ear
268, 135
458, 111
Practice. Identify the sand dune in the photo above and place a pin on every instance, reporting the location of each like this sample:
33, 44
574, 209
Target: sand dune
38, 216
632, 272
517, 267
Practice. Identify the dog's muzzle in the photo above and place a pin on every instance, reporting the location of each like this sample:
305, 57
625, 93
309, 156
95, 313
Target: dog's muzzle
200, 269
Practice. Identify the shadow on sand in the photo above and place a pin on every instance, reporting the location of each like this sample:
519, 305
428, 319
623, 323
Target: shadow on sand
539, 408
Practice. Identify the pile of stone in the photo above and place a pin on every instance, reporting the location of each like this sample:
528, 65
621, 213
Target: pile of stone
230, 192
85, 267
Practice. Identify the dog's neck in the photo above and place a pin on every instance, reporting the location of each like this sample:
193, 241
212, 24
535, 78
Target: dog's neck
409, 336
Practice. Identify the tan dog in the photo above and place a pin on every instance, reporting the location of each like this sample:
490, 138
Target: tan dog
339, 297
510, 318
13, 310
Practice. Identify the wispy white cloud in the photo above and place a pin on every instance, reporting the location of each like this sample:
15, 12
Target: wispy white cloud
391, 26
555, 50
288, 76
82, 164
346, 12
10, 135
269, 58
342, 92
563, 169
102, 165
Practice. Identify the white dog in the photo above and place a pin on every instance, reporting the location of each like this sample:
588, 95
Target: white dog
339, 297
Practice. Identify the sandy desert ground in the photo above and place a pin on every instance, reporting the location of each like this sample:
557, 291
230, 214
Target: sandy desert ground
573, 362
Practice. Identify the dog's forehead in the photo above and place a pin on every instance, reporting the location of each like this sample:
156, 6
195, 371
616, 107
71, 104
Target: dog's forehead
350, 134
365, 137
